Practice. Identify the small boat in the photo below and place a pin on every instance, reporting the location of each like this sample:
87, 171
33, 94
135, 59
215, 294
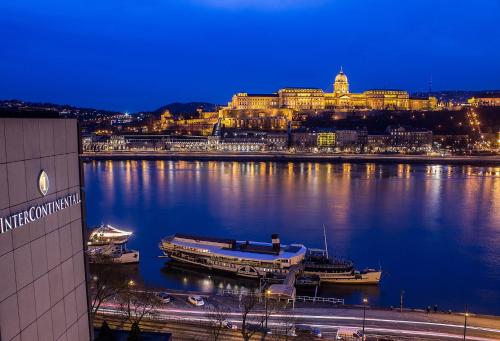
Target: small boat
335, 270
107, 244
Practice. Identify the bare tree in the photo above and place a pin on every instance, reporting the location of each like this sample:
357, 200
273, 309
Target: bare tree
105, 284
285, 328
217, 317
247, 305
137, 302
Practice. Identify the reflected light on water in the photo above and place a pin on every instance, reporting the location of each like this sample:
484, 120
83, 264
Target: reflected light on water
416, 217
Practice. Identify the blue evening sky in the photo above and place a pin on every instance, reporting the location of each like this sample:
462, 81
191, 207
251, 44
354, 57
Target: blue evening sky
140, 54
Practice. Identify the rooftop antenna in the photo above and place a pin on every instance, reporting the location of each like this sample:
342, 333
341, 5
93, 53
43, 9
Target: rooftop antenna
430, 85
326, 245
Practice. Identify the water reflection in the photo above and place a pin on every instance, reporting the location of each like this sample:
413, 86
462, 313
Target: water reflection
431, 226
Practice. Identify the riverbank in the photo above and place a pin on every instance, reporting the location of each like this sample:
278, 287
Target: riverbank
295, 157
379, 323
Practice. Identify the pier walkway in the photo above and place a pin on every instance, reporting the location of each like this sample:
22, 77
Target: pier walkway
286, 290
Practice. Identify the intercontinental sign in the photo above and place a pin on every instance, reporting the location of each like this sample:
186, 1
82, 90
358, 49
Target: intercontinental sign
37, 212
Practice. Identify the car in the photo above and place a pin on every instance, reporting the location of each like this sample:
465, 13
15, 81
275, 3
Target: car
349, 334
258, 328
305, 330
164, 297
229, 325
196, 301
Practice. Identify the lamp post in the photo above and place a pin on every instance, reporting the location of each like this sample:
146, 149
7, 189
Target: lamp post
365, 301
266, 294
465, 321
401, 301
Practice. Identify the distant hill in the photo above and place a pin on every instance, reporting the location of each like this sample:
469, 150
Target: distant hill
14, 107
185, 109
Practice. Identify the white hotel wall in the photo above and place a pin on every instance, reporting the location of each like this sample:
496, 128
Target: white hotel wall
43, 293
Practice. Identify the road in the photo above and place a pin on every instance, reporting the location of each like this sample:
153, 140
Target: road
291, 157
378, 322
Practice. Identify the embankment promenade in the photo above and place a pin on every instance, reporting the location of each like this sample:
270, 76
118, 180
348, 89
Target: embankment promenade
491, 161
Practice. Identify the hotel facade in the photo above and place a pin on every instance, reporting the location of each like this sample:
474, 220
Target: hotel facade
42, 263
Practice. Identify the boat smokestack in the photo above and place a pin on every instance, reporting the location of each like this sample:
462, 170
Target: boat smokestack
276, 242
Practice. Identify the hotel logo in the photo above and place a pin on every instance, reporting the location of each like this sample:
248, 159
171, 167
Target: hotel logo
43, 183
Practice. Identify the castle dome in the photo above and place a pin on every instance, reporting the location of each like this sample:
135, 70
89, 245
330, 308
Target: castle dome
341, 77
341, 85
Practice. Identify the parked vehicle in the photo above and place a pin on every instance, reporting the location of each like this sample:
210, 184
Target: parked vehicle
164, 297
349, 334
258, 328
229, 325
305, 330
196, 301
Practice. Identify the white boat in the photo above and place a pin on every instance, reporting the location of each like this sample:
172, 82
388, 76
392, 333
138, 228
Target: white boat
337, 271
107, 244
242, 258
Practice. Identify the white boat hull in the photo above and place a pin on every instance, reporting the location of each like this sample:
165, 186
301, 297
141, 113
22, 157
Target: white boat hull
130, 257
336, 278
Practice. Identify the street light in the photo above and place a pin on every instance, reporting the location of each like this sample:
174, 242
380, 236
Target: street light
465, 321
365, 301
266, 294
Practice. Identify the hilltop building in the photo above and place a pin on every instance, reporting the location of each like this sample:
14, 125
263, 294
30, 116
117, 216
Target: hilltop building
273, 111
487, 100
316, 99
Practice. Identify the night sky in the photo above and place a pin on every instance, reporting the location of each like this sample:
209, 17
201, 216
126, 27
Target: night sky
133, 55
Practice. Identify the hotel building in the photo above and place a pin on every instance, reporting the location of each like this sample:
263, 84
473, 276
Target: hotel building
42, 263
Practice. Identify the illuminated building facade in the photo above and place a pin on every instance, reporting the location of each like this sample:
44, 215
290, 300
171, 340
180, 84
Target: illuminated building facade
326, 139
298, 99
485, 101
407, 139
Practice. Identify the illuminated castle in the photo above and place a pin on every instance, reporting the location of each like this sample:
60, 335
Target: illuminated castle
276, 110
340, 98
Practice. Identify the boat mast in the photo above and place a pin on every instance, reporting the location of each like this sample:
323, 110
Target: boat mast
326, 245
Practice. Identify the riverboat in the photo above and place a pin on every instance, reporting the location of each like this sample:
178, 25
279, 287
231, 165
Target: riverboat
263, 260
242, 258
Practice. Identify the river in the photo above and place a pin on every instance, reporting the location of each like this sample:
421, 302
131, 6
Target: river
433, 229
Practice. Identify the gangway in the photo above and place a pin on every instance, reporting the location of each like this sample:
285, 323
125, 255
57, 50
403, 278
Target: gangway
286, 290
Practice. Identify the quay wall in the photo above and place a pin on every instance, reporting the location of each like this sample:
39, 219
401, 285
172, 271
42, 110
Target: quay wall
492, 161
